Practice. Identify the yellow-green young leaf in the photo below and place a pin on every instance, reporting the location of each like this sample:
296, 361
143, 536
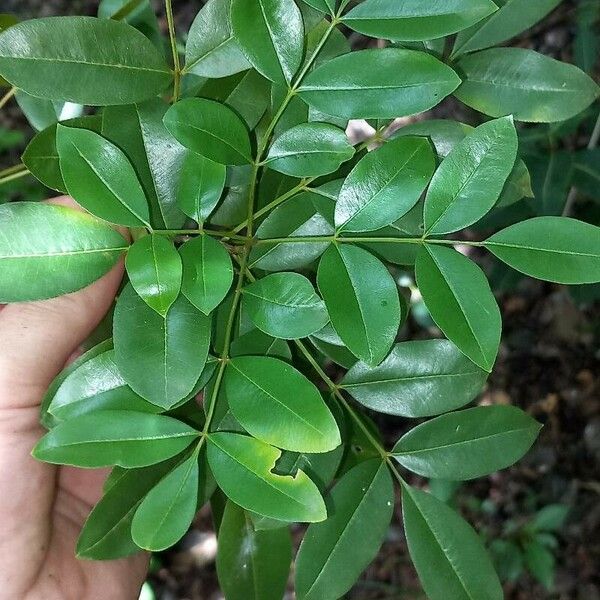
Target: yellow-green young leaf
470, 179
285, 305
157, 158
467, 444
166, 513
41, 155
82, 59
114, 437
48, 250
260, 385
449, 556
101, 178
513, 17
385, 185
96, 385
362, 300
418, 379
211, 129
161, 358
106, 534
460, 301
154, 269
242, 467
555, 249
530, 86
200, 187
334, 553
310, 150
271, 35
378, 84
413, 20
211, 50
207, 272
252, 564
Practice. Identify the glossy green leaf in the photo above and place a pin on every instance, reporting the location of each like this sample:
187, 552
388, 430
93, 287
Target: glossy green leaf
41, 112
259, 385
467, 444
326, 6
114, 437
211, 50
99, 176
165, 514
63, 58
555, 249
379, 84
252, 564
48, 250
200, 187
207, 272
512, 17
460, 301
334, 553
418, 379
157, 158
530, 86
154, 269
470, 179
384, 185
414, 20
161, 358
443, 133
106, 534
243, 467
362, 300
285, 305
255, 342
449, 556
271, 35
96, 385
310, 150
210, 129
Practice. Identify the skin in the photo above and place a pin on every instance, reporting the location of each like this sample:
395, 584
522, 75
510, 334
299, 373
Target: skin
43, 507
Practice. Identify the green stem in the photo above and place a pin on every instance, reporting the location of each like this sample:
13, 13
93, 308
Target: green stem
174, 51
6, 177
319, 239
7, 96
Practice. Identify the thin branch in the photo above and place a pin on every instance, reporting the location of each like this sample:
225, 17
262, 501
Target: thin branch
175, 52
7, 96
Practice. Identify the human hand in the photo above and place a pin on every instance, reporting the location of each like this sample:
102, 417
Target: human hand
43, 507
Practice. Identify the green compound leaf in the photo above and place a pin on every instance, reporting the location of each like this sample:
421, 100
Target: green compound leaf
48, 250
211, 129
243, 467
556, 249
418, 379
530, 86
362, 300
66, 58
271, 35
378, 84
211, 50
108, 438
207, 272
259, 385
252, 564
161, 358
334, 553
285, 305
384, 185
200, 187
414, 20
166, 513
101, 178
460, 301
468, 443
449, 556
310, 150
154, 269
470, 179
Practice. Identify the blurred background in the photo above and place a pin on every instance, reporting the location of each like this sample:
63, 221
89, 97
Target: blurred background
541, 518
